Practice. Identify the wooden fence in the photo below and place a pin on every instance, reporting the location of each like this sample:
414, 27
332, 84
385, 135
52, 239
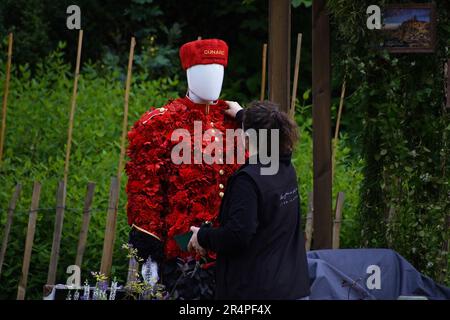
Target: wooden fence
107, 253
57, 232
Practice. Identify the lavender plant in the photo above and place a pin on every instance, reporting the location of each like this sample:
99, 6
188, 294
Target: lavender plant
101, 286
145, 287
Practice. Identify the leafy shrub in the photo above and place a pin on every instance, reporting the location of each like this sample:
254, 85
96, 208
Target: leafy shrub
348, 175
36, 136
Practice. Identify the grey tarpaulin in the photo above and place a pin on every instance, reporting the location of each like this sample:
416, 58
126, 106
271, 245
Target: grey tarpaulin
367, 274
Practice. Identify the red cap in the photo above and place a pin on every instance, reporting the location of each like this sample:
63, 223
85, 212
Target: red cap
207, 51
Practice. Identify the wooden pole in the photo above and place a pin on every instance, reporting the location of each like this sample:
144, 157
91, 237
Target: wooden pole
296, 72
264, 72
73, 106
336, 131
309, 222
57, 232
82, 239
29, 240
108, 244
9, 220
279, 52
338, 220
198, 38
125, 109
321, 88
5, 95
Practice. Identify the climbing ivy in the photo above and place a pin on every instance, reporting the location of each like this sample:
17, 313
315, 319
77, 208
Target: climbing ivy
397, 106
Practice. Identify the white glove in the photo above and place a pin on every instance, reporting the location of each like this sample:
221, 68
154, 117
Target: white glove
233, 108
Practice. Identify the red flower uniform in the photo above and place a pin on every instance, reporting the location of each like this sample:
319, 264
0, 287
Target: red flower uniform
164, 198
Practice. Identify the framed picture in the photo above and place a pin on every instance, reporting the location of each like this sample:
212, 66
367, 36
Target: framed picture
409, 27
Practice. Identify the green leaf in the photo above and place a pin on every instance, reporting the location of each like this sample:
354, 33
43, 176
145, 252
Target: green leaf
306, 94
297, 3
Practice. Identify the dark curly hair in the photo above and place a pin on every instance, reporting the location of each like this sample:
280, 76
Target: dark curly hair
266, 115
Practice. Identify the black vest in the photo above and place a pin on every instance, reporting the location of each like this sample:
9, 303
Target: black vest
274, 266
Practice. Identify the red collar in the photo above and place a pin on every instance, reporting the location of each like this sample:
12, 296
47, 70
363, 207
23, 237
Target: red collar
200, 106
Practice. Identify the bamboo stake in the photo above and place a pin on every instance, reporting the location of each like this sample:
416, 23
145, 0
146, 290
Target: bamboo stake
309, 222
82, 239
5, 95
264, 71
29, 241
11, 209
336, 132
338, 220
296, 72
108, 245
125, 108
341, 104
73, 106
57, 232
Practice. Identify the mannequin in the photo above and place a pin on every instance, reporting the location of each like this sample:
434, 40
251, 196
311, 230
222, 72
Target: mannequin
205, 82
164, 198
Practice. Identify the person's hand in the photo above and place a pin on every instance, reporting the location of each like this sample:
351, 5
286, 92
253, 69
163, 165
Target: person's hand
233, 108
193, 243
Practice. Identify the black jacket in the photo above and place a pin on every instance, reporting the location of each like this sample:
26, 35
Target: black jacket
260, 244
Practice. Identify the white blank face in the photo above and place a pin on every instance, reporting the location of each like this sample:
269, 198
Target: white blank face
205, 80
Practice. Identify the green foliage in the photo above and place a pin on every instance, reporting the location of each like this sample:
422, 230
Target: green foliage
298, 3
30, 30
348, 174
397, 103
160, 28
36, 135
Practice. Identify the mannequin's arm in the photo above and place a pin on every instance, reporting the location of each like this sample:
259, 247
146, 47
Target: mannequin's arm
146, 200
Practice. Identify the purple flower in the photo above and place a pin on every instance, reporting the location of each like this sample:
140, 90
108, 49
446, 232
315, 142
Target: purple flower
103, 285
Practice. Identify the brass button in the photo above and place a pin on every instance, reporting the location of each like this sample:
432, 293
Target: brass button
221, 186
162, 109
212, 124
221, 194
213, 131
221, 172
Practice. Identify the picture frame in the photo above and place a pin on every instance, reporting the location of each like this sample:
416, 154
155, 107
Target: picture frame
409, 28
